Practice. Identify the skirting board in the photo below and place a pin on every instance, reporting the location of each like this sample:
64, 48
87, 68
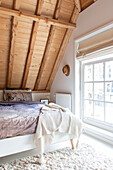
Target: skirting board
18, 144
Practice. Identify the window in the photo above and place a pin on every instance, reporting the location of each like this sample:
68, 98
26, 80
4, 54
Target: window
97, 93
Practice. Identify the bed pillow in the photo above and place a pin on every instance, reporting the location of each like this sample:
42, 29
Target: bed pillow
17, 95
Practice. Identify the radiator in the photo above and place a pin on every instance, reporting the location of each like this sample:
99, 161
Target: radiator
64, 100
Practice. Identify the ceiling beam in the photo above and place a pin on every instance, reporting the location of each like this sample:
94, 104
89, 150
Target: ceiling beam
62, 49
48, 44
78, 5
31, 45
41, 91
12, 12
14, 25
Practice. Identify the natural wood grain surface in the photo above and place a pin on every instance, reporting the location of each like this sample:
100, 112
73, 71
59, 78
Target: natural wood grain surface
86, 3
33, 37
31, 44
37, 18
78, 5
62, 49
48, 44
14, 30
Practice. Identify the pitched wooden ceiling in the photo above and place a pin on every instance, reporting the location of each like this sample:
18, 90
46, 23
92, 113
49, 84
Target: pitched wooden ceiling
33, 37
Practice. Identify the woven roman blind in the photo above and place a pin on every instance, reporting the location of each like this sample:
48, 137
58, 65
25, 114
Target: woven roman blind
95, 43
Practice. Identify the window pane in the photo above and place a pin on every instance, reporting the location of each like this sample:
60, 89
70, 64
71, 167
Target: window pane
88, 75
88, 108
109, 112
88, 91
99, 91
98, 72
109, 70
99, 110
109, 91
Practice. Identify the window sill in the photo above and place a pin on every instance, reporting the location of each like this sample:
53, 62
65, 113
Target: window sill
98, 133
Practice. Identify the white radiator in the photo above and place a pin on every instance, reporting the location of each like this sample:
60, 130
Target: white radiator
63, 100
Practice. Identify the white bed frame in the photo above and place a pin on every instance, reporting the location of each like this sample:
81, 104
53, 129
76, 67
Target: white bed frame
18, 144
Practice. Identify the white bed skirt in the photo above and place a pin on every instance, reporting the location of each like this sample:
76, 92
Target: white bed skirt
18, 144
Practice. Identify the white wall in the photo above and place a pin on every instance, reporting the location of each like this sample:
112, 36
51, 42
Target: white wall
97, 15
38, 96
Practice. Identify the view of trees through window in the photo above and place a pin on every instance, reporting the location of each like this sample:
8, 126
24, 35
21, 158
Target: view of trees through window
98, 91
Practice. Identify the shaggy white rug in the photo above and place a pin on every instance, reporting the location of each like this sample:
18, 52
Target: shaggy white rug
84, 158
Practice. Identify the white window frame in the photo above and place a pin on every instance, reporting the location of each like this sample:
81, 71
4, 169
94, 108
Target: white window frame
92, 121
89, 129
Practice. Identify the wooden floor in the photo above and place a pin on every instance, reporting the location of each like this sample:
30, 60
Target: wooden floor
97, 144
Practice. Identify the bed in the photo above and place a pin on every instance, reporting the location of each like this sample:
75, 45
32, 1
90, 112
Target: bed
18, 125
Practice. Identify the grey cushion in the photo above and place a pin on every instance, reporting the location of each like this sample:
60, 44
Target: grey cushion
17, 95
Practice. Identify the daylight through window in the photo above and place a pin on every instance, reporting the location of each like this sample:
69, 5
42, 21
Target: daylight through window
97, 92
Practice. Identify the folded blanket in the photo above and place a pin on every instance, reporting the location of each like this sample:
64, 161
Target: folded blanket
53, 118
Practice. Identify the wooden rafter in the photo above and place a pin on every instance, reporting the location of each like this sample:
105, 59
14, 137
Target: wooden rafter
62, 49
41, 91
39, 7
48, 44
57, 9
0, 2
77, 3
31, 44
14, 29
12, 12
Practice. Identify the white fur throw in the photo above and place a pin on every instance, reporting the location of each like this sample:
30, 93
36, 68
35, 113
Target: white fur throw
54, 118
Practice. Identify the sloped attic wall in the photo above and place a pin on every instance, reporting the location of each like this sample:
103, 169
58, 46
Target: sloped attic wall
33, 37
89, 20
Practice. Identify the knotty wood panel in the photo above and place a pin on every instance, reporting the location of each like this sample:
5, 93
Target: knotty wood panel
66, 10
7, 3
86, 3
28, 6
5, 25
50, 42
51, 53
14, 30
37, 18
42, 35
35, 26
78, 5
51, 57
48, 46
21, 48
48, 8
62, 48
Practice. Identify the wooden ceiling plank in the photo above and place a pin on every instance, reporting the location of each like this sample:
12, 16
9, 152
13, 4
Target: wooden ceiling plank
39, 7
62, 49
57, 9
78, 4
87, 3
48, 44
31, 45
41, 91
14, 26
30, 54
50, 21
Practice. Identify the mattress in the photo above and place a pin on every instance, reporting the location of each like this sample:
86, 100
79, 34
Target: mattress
18, 118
